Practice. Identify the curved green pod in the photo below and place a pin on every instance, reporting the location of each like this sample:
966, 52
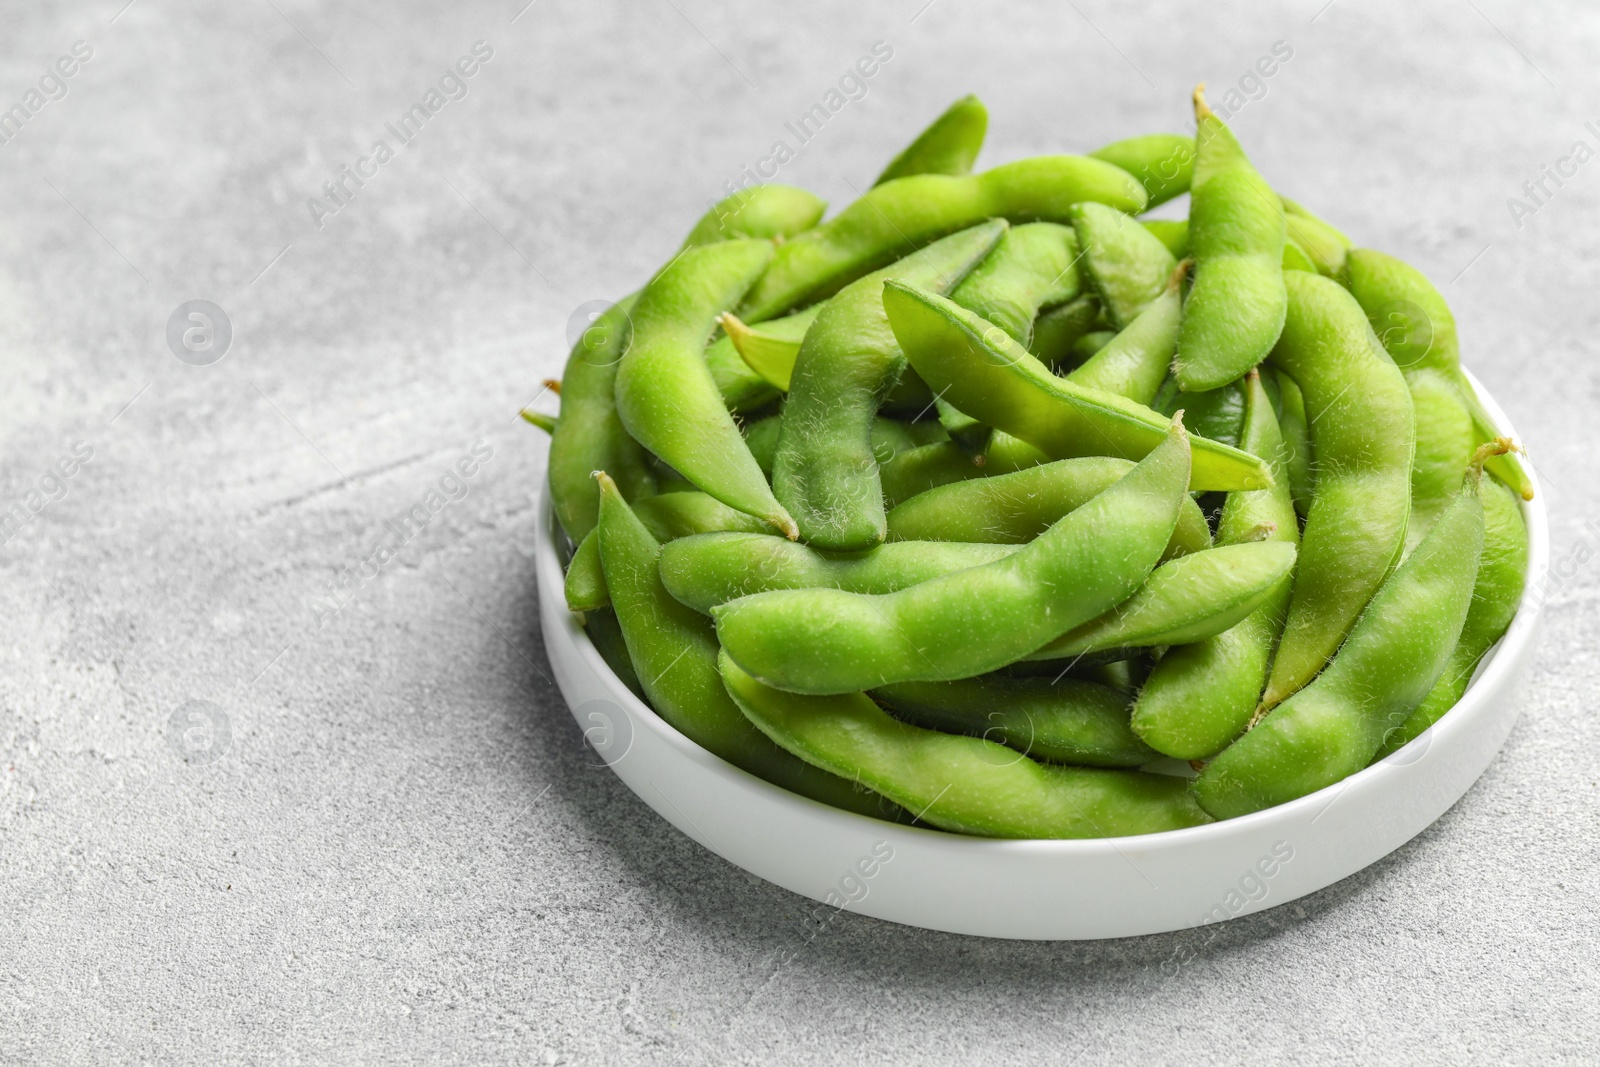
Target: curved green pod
990, 377
1033, 266
1296, 258
1134, 363
665, 394
974, 621
1297, 459
1057, 329
760, 211
1124, 262
605, 633
589, 436
674, 654
1015, 508
1496, 592
1362, 432
1215, 414
1445, 442
1184, 600
964, 784
1174, 233
890, 438
900, 216
1392, 658
1414, 323
1200, 696
1063, 720
940, 463
950, 144
715, 568
769, 349
1235, 308
1163, 163
824, 471
1323, 245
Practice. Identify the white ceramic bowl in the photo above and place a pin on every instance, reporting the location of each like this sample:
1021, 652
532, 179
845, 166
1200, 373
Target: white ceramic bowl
1053, 890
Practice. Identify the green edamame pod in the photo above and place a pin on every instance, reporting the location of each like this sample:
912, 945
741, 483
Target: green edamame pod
1033, 266
1445, 443
1297, 459
760, 211
1324, 246
900, 216
1236, 304
1184, 600
1085, 347
1496, 592
1134, 363
974, 621
1392, 658
768, 349
1174, 233
741, 386
605, 633
1057, 721
668, 516
890, 438
949, 145
1015, 508
1415, 325
674, 655
824, 471
1163, 163
932, 465
964, 784
1200, 696
992, 378
1295, 257
1126, 264
589, 436
1362, 432
1055, 331
715, 568
664, 392
1215, 414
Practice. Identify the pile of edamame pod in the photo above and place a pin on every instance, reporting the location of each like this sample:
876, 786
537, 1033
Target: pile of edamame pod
988, 505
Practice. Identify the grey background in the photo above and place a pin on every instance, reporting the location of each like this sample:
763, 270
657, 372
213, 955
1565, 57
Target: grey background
403, 854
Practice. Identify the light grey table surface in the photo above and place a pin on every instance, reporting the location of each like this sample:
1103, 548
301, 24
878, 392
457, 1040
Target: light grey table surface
402, 854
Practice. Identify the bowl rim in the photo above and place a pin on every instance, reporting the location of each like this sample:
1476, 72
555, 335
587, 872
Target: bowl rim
1499, 661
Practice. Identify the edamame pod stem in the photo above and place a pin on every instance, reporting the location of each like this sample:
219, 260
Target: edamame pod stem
1362, 433
1127, 265
1163, 163
1201, 696
674, 655
668, 516
1018, 507
974, 621
1236, 303
1496, 592
824, 471
715, 568
1392, 658
964, 784
1297, 459
665, 393
949, 145
900, 216
1184, 600
932, 465
1057, 721
992, 378
589, 436
759, 211
1415, 325
1033, 266
1134, 362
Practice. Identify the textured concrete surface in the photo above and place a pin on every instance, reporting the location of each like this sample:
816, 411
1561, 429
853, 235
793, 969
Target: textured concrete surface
401, 854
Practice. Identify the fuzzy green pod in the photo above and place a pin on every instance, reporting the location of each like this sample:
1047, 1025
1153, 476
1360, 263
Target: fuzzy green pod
1174, 233
1134, 363
986, 374
964, 784
824, 471
1392, 658
1058, 329
760, 211
974, 621
1032, 267
1363, 435
927, 467
665, 394
1127, 265
1235, 308
1298, 464
1065, 720
1163, 163
900, 216
950, 144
